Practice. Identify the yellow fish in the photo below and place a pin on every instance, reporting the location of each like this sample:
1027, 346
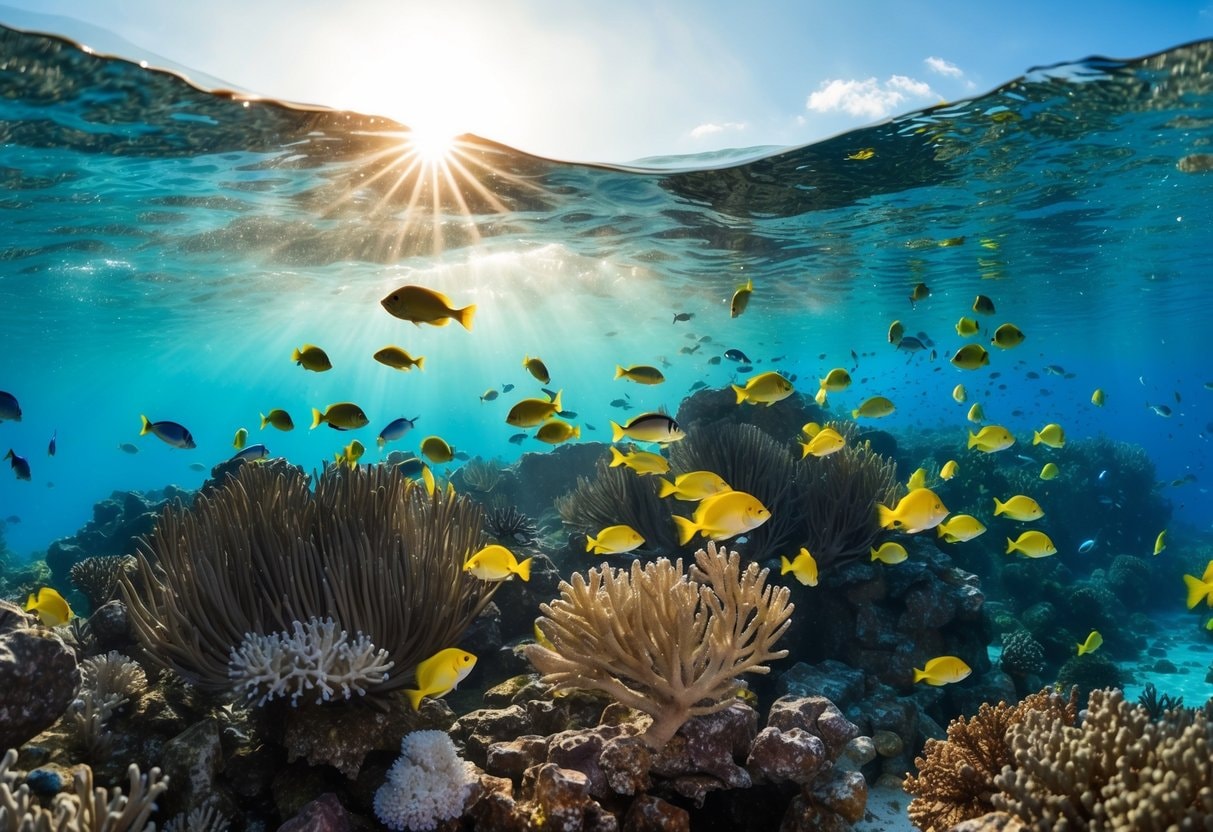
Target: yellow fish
695, 486
537, 368
971, 356
991, 439
614, 540
1160, 542
436, 450
958, 394
917, 511
240, 438
741, 299
427, 477
722, 516
311, 357
540, 639
949, 470
960, 528
890, 553
278, 418
1198, 588
440, 674
919, 292
862, 155
764, 388
50, 606
982, 305
399, 359
649, 427
640, 373
497, 563
1051, 435
836, 380
820, 397
341, 416
557, 432
942, 670
642, 462
977, 413
874, 408
1007, 336
1049, 471
803, 567
990, 244
810, 429
425, 306
917, 480
1097, 398
350, 454
1033, 544
897, 331
824, 443
531, 412
1094, 640
966, 327
1019, 507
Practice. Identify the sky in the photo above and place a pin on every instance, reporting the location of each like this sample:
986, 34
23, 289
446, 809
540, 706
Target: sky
618, 81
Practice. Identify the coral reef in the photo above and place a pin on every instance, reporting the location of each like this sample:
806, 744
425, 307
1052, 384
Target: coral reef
97, 577
427, 785
660, 640
110, 682
479, 475
619, 495
506, 524
38, 676
1155, 704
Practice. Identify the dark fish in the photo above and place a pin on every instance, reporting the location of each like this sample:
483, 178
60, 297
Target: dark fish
19, 464
821, 357
715, 359
690, 336
12, 519
396, 429
682, 316
934, 355
9, 409
995, 374
792, 377
461, 456
489, 395
128, 448
567, 414
252, 453
1016, 413
1161, 409
926, 339
778, 358
1032, 374
410, 467
854, 357
699, 385
1002, 387
1178, 400
197, 466
736, 355
911, 344
689, 350
505, 388
1055, 370
517, 438
588, 426
705, 339
745, 368
616, 403
1070, 375
170, 433
551, 394
50, 449
610, 334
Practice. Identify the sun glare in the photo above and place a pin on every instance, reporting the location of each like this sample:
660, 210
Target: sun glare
431, 146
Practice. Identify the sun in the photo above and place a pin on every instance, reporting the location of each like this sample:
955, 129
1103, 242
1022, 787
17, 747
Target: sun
432, 146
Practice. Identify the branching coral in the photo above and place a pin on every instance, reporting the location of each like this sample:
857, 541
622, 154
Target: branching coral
97, 578
620, 495
507, 524
660, 640
480, 475
109, 683
956, 777
369, 549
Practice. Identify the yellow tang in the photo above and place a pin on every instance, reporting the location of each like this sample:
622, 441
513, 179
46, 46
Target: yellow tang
1019, 507
890, 553
642, 462
648, 427
874, 408
722, 516
1199, 588
977, 413
694, 486
350, 454
803, 567
399, 359
836, 380
825, 442
497, 563
991, 439
966, 327
949, 470
1097, 398
1007, 336
897, 331
557, 432
240, 438
531, 412
820, 397
614, 540
917, 480
1051, 435
1092, 643
942, 670
983, 305
971, 356
440, 674
436, 450
1049, 471
1033, 544
341, 416
764, 388
810, 429
741, 299
51, 607
958, 394
639, 373
537, 368
917, 511
1160, 542
425, 306
959, 528
862, 155
311, 357
278, 418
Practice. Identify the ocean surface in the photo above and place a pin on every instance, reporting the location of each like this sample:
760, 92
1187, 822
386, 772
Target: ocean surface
163, 249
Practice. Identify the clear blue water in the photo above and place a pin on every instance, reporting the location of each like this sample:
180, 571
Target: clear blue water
163, 249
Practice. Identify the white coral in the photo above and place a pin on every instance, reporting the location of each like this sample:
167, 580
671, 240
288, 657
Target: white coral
314, 655
428, 784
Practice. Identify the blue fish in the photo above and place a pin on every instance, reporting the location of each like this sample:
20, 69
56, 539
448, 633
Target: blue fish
9, 409
252, 453
168, 432
19, 463
396, 429
50, 449
736, 355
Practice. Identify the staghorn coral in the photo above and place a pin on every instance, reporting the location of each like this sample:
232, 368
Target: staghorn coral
660, 640
97, 578
1118, 770
506, 523
369, 549
955, 780
619, 495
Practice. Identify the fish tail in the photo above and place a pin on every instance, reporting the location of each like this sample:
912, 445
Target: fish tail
420, 362
785, 565
296, 356
664, 488
919, 675
1035, 437
619, 371
1198, 590
1011, 547
464, 316
524, 569
854, 414
740, 393
686, 529
999, 507
264, 421
577, 432
1082, 649
147, 426
590, 543
616, 432
617, 457
33, 602
804, 449
317, 418
885, 516
415, 697
381, 442
972, 439
556, 401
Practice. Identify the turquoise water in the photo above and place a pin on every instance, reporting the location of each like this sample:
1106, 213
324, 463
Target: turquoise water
163, 249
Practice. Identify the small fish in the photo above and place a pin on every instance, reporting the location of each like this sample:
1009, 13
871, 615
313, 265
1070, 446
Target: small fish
497, 563
10, 410
942, 670
12, 519
19, 464
557, 432
396, 429
311, 357
1019, 507
741, 299
440, 674
970, 357
1091, 644
982, 305
824, 442
699, 385
640, 373
50, 448
614, 540
862, 155
1051, 435
1055, 370
874, 408
489, 395
911, 343
958, 394
517, 438
1098, 397
991, 439
350, 454
240, 438
737, 355
399, 359
897, 331
764, 388
836, 380
949, 470
538, 369
966, 327
1034, 544
722, 516
918, 511
170, 433
51, 607
505, 388
278, 418
1160, 542
128, 448
1086, 546
890, 553
693, 486
529, 413
340, 416
1161, 409
976, 413
917, 480
1007, 336
960, 528
425, 306
1049, 471
714, 360
252, 453
197, 466
682, 316
803, 567
436, 450
648, 427
919, 292
642, 462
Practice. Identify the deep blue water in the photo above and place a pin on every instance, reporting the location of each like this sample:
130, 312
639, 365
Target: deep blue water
163, 249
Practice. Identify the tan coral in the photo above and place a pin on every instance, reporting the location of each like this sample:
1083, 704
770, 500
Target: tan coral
663, 641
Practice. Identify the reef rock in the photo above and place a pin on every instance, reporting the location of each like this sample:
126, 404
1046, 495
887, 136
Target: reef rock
39, 677
324, 814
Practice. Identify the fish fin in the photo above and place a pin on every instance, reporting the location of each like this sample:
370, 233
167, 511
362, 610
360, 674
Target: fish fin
740, 393
33, 602
590, 543
577, 432
919, 675
686, 529
1010, 546
464, 316
616, 432
147, 427
885, 516
972, 440
415, 697
556, 401
665, 488
617, 457
999, 507
1035, 437
524, 569
420, 362
1082, 649
785, 565
1197, 590
297, 356
264, 421
619, 371
317, 418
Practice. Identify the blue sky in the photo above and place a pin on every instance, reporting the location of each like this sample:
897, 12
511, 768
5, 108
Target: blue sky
629, 78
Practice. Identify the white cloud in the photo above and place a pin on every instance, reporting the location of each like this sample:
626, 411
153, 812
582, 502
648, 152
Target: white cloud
942, 67
868, 98
711, 128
